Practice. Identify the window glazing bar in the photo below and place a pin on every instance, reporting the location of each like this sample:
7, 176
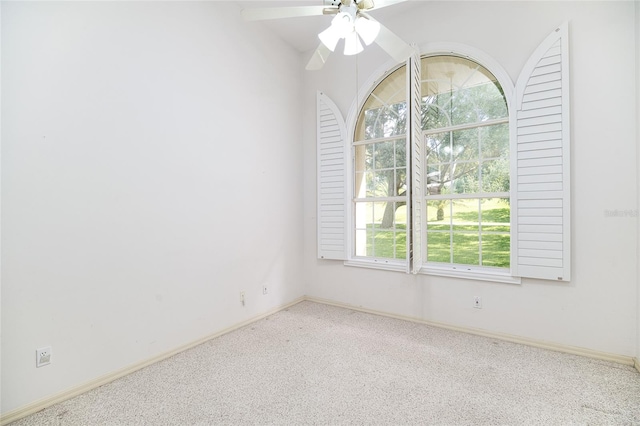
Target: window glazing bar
472, 196
466, 126
385, 139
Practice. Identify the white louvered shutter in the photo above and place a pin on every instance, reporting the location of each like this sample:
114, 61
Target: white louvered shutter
332, 211
541, 183
414, 129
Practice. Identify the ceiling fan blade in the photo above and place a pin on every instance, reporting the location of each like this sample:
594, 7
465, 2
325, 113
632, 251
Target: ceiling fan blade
265, 13
366, 29
377, 4
397, 48
319, 58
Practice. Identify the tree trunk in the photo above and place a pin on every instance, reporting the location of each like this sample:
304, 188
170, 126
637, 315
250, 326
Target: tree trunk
389, 214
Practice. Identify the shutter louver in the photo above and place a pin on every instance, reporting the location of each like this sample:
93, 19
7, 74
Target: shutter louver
332, 212
541, 183
415, 136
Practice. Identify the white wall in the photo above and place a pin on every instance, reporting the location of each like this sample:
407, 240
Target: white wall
638, 163
150, 172
597, 309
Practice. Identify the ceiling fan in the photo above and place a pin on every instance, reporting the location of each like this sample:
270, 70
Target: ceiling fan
351, 23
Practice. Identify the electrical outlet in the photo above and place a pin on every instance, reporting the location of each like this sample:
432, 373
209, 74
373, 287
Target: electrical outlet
265, 290
43, 356
477, 302
242, 297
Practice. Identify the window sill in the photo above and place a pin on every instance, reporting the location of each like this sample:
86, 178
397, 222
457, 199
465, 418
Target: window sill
477, 274
441, 271
384, 264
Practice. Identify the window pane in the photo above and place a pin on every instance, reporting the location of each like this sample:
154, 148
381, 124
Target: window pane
385, 218
495, 215
360, 185
401, 182
495, 141
384, 121
496, 227
368, 214
439, 247
496, 250
466, 215
462, 175
384, 155
384, 244
466, 248
401, 215
401, 230
466, 231
465, 179
434, 117
465, 144
367, 185
495, 175
364, 214
401, 245
363, 162
439, 215
439, 231
364, 242
384, 184
438, 148
364, 217
401, 153
363, 154
435, 179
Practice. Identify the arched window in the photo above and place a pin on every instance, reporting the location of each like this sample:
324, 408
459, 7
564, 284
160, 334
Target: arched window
380, 167
466, 154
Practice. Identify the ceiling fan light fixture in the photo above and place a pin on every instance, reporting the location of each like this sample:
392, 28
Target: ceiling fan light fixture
341, 25
330, 37
352, 45
350, 22
367, 29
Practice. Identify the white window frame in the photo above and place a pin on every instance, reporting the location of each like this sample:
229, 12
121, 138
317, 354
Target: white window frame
458, 271
365, 90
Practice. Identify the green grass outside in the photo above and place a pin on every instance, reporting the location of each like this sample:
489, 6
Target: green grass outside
456, 238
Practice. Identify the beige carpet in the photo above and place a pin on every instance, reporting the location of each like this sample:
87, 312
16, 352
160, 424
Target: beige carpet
319, 364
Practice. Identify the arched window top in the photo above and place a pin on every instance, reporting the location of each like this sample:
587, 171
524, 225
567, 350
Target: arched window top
455, 91
383, 113
458, 91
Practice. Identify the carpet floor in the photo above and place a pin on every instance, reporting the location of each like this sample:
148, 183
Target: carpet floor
323, 365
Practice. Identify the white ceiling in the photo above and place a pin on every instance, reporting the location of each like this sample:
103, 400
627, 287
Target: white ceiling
302, 33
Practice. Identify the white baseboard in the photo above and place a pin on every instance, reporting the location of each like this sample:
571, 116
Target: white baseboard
41, 404
620, 359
